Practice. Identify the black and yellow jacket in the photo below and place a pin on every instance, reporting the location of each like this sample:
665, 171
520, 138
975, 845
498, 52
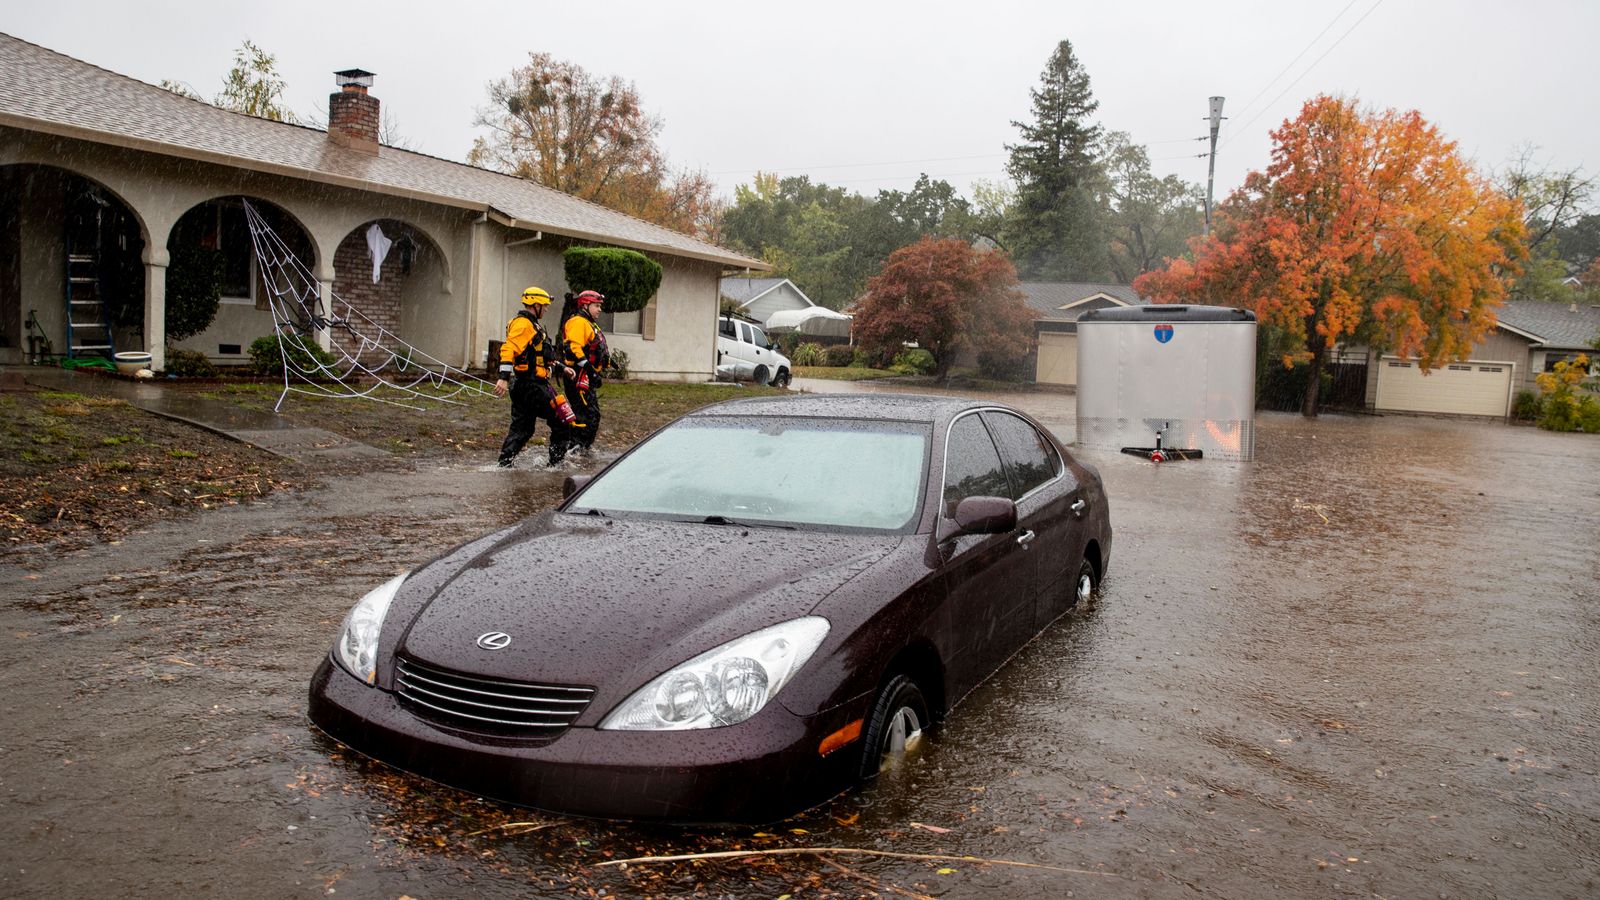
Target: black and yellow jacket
527, 347
584, 345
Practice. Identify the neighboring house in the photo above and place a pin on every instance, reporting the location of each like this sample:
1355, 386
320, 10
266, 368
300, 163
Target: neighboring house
1056, 307
762, 299
109, 177
1531, 338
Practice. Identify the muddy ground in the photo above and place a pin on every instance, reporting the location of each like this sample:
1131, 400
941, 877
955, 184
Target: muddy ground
1362, 665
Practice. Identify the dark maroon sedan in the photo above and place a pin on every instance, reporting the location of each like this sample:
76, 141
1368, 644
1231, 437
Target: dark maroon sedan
753, 609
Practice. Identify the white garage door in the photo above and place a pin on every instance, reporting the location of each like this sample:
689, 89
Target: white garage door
1058, 358
1469, 388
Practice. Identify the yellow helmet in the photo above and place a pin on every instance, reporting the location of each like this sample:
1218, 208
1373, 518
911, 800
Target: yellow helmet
534, 295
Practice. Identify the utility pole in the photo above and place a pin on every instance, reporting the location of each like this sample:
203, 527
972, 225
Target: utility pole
1211, 174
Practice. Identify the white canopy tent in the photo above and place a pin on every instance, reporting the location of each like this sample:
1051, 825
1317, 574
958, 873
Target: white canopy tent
813, 320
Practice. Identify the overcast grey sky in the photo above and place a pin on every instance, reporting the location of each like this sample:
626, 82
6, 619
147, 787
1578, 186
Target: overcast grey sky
868, 94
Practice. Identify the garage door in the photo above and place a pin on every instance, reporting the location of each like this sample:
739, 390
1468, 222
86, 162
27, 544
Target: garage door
1468, 389
1058, 358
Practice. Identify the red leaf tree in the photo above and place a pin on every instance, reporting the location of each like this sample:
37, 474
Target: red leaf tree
946, 297
1367, 226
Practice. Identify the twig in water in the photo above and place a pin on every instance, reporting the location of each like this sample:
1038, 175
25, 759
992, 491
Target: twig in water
860, 851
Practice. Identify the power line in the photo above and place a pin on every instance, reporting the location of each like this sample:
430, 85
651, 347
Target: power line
1238, 129
1303, 51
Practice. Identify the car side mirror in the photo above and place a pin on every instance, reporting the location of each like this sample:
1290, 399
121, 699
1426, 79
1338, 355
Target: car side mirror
985, 515
573, 484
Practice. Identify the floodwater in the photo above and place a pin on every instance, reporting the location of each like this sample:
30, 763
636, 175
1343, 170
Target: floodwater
1364, 664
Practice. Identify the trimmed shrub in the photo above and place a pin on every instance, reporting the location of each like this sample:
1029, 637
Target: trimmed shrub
839, 355
266, 355
194, 290
1526, 407
617, 366
1003, 365
190, 364
913, 362
627, 278
807, 354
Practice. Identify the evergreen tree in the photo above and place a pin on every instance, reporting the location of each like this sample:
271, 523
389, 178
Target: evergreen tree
1056, 232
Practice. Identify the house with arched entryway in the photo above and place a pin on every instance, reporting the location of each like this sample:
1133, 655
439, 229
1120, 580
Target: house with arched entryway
108, 183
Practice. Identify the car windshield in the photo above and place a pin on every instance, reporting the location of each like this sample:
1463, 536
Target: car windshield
801, 472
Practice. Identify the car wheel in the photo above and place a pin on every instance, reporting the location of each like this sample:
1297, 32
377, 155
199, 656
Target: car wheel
895, 729
761, 375
1083, 586
782, 380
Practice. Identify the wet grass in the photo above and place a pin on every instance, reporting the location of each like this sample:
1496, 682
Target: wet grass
75, 468
448, 423
842, 373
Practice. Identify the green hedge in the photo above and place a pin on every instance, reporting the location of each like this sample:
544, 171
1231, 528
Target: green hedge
266, 356
627, 278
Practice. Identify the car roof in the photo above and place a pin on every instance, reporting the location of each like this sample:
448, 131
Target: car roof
894, 407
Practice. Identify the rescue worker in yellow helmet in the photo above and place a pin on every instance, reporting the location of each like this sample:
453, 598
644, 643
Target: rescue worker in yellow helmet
584, 346
526, 360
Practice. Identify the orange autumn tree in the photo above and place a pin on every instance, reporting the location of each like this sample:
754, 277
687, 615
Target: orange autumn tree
946, 296
1367, 226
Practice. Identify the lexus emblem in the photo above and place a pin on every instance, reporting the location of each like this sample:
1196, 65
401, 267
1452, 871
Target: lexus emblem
494, 640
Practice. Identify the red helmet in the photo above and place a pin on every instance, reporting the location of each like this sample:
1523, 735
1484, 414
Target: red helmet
589, 297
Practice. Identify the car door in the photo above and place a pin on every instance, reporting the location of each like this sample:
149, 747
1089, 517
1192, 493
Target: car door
1049, 503
988, 578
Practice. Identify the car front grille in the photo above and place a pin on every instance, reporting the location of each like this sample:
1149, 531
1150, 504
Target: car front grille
506, 708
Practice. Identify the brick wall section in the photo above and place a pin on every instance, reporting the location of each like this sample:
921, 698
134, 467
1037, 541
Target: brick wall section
352, 283
355, 115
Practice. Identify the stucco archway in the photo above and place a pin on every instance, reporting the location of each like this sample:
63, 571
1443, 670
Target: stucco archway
71, 254
395, 278
216, 232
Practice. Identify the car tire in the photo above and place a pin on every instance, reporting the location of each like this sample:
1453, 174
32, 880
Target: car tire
782, 381
1083, 586
899, 717
761, 375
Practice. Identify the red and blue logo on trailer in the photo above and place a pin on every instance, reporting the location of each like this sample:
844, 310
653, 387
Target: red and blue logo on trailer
1163, 333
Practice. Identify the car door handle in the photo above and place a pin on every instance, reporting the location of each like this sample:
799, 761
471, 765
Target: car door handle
1078, 506
1025, 538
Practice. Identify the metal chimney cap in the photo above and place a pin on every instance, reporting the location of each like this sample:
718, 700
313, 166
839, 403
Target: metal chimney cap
357, 77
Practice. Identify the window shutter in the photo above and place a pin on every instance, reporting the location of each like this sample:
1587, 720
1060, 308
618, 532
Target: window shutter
647, 324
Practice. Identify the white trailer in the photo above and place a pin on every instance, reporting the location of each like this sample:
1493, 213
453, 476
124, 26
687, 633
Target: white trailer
1180, 378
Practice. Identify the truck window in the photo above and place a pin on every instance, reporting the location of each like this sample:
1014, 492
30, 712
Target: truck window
725, 326
757, 337
744, 332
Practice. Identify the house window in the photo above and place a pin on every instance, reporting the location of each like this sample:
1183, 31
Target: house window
1550, 359
221, 225
622, 323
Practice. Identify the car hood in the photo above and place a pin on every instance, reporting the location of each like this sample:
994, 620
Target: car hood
611, 603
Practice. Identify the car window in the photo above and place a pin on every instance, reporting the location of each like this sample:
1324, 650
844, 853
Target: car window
757, 337
832, 474
1032, 459
727, 329
972, 465
744, 332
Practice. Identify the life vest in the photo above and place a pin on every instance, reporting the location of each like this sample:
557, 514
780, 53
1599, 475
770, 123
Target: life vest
535, 355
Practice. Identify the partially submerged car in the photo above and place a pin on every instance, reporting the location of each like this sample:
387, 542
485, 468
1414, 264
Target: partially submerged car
753, 609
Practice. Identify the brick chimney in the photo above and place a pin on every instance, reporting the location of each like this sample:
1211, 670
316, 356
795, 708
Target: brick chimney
353, 113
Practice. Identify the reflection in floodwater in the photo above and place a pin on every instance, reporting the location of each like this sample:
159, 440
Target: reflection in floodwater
1361, 664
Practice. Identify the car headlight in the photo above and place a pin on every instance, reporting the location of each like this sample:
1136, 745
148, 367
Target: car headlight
722, 686
357, 647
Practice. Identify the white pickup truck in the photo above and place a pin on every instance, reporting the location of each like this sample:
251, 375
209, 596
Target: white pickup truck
745, 354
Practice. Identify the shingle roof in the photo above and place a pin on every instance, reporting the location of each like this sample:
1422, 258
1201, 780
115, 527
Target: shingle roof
743, 290
49, 92
1046, 298
1559, 325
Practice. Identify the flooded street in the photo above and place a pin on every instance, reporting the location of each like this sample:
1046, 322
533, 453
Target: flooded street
1364, 664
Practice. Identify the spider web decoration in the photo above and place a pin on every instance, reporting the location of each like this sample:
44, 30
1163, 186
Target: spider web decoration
402, 371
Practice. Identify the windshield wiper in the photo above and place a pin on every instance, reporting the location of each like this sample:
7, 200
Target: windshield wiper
724, 520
